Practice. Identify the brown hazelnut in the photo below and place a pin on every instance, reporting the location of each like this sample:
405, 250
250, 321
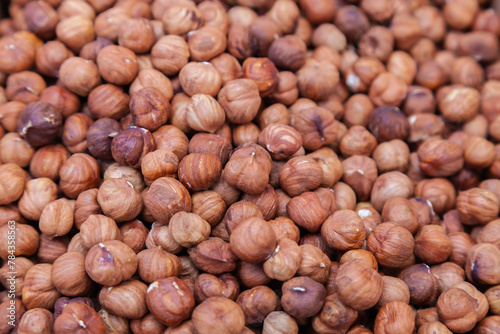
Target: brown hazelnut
387, 123
50, 57
21, 56
79, 75
181, 19
245, 134
399, 210
387, 90
188, 229
9, 112
448, 274
72, 8
477, 206
77, 174
284, 262
344, 230
127, 173
238, 212
47, 161
392, 155
288, 52
86, 204
340, 320
461, 243
75, 131
460, 104
56, 218
440, 192
302, 297
257, 303
432, 245
206, 43
395, 315
170, 300
317, 80
204, 113
22, 265
24, 86
36, 320
76, 315
129, 146
492, 295
279, 322
363, 71
390, 185
116, 299
419, 100
160, 191
482, 264
357, 141
393, 289
426, 315
169, 54
108, 100
391, 244
200, 78
110, 262
358, 285
358, 109
209, 205
69, 276
240, 100
51, 248
248, 169
314, 263
117, 65
257, 37
218, 314
75, 32
199, 171
423, 285
345, 197
98, 228
207, 285
286, 92
38, 290
228, 67
440, 158
119, 200
267, 202
352, 21
38, 193
263, 72
100, 136
295, 169
459, 14
253, 240
150, 108
113, 322
13, 182
159, 163
75, 245
91, 49
137, 35
377, 42
371, 217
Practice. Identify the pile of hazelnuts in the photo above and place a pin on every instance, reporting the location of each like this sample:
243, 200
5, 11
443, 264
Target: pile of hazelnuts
250, 166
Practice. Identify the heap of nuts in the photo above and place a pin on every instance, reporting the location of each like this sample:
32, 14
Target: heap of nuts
250, 166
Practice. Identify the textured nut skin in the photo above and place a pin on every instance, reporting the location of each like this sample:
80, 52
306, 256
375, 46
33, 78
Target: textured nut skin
302, 297
14, 187
98, 228
170, 300
424, 287
344, 230
282, 141
440, 158
391, 244
160, 196
253, 240
214, 256
257, 303
131, 145
110, 262
263, 72
37, 320
482, 264
248, 169
127, 299
296, 169
284, 262
394, 317
207, 285
79, 173
69, 276
39, 123
280, 322
199, 171
188, 229
477, 206
306, 211
38, 290
340, 320
76, 314
218, 314
119, 200
240, 100
150, 108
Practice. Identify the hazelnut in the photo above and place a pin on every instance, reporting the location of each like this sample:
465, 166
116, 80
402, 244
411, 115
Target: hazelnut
440, 192
393, 289
206, 43
20, 56
204, 113
75, 132
108, 100
207, 316
56, 218
357, 141
492, 295
460, 104
239, 39
169, 54
364, 70
24, 86
263, 72
199, 171
288, 52
448, 274
75, 32
459, 14
426, 315
423, 126
22, 266
314, 263
116, 299
170, 300
286, 92
257, 303
345, 197
207, 285
9, 112
91, 49
284, 262
388, 123
391, 244
77, 315
110, 262
317, 126
317, 79
440, 158
209, 205
117, 65
330, 163
137, 35
36, 320
200, 78
461, 243
295, 169
188, 229
358, 285
378, 41
419, 100
403, 66
132, 175
388, 185
79, 75
352, 21
38, 193
432, 245
344, 230
38, 290
14, 149
261, 33
113, 322
39, 123
482, 264
395, 315
100, 136
280, 322
240, 100
129, 146
69, 276
392, 155
266, 201
160, 235
302, 297
400, 210
423, 285
358, 109
253, 240
78, 173
161, 191
51, 248
13, 182
245, 134
149, 108
119, 200
159, 163
238, 212
477, 206
248, 169
181, 19
228, 67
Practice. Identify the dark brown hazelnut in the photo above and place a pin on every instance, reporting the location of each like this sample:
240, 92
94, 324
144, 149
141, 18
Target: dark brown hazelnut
39, 123
288, 52
100, 136
377, 42
424, 287
131, 145
257, 303
213, 256
302, 297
